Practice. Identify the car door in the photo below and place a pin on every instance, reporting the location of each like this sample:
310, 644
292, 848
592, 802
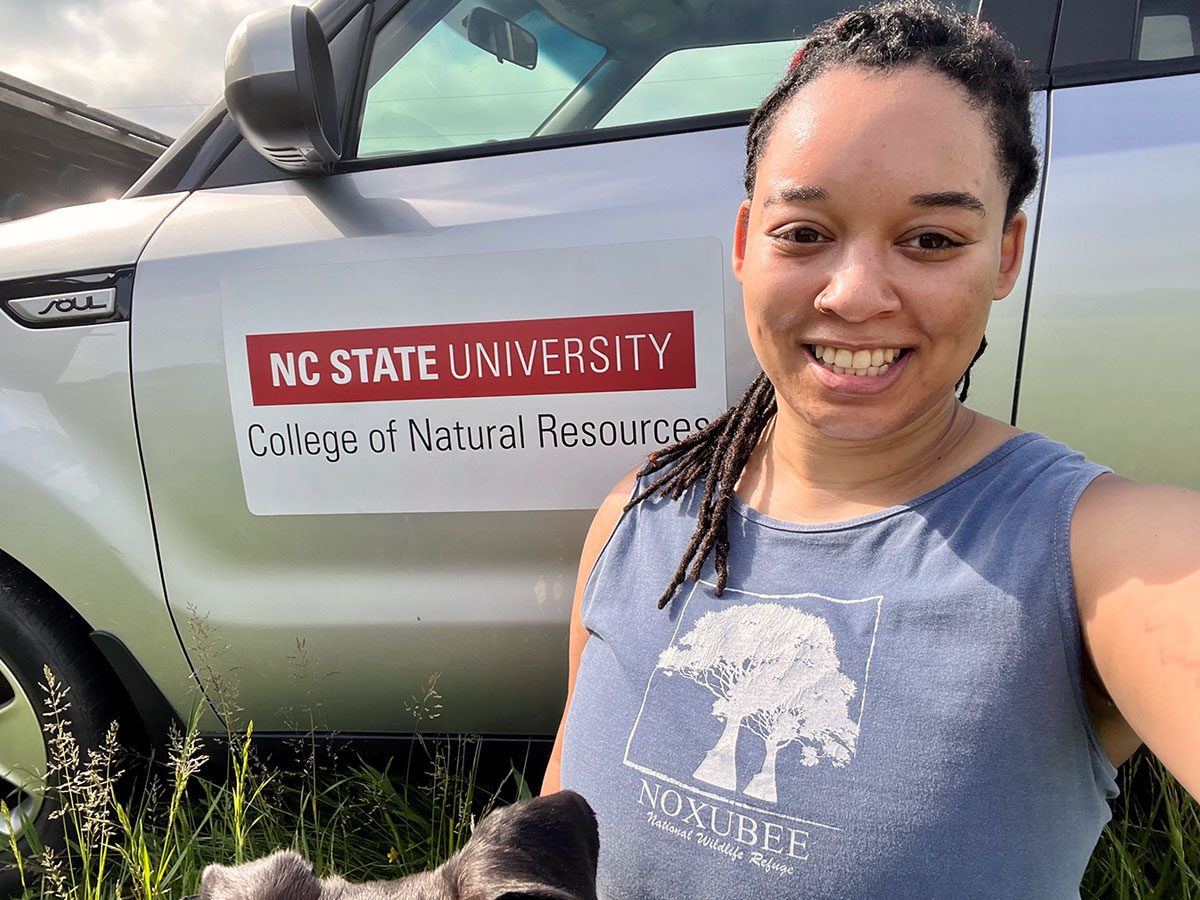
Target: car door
379, 407
1109, 365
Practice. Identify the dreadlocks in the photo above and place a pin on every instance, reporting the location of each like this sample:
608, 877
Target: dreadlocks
718, 453
884, 37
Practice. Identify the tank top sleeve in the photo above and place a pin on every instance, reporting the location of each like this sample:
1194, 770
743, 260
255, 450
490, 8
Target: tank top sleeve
886, 707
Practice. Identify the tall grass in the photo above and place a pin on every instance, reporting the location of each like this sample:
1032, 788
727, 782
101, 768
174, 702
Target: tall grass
152, 842
366, 822
1151, 848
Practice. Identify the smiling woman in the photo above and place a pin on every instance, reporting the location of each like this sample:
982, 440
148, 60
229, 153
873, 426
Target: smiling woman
916, 276
903, 616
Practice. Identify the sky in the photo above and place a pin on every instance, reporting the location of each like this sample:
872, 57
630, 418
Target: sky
159, 63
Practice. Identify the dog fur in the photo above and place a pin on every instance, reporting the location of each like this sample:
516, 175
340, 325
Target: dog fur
544, 848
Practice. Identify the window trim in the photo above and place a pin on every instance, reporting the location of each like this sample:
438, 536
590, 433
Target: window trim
1124, 70
663, 128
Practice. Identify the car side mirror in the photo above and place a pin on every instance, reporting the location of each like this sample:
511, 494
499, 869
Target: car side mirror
501, 37
279, 89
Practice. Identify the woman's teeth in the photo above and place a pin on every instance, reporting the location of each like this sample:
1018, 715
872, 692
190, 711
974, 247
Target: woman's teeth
856, 362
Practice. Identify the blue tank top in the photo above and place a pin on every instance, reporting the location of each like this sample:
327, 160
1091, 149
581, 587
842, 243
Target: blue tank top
885, 707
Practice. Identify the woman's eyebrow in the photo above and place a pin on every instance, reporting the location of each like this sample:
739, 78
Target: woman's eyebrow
960, 199
802, 193
805, 193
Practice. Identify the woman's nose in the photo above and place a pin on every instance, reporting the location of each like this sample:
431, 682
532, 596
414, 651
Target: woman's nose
859, 287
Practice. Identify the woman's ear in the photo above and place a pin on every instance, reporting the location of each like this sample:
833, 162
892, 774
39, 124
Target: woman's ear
1012, 252
740, 229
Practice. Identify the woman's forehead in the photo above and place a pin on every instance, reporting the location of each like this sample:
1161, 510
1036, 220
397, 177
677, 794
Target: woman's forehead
908, 130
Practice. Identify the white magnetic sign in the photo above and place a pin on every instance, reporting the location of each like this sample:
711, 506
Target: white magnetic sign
493, 381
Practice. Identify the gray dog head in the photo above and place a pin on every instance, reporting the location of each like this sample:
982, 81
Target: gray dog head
543, 848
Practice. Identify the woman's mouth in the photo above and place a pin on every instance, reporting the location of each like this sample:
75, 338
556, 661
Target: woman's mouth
863, 363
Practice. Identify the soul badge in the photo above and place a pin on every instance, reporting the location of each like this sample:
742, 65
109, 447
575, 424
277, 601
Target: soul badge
66, 308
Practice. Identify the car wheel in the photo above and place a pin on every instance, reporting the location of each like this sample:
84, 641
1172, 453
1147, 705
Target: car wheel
40, 630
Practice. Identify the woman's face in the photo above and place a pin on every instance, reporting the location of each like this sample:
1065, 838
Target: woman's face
875, 236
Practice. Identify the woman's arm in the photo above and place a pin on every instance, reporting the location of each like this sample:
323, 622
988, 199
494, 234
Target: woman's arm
1135, 552
602, 528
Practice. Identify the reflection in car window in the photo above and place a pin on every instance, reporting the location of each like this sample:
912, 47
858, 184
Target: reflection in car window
1168, 29
447, 92
704, 80
598, 65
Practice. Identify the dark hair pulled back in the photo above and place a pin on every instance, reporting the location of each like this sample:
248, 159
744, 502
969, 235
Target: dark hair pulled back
902, 33
883, 37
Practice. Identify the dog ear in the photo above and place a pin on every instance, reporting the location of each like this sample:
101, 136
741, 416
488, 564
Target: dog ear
281, 876
544, 848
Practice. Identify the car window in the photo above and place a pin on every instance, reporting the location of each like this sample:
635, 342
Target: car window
1128, 37
703, 80
433, 83
1167, 29
447, 92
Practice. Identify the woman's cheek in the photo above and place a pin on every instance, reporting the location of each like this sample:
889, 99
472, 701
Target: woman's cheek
965, 303
780, 311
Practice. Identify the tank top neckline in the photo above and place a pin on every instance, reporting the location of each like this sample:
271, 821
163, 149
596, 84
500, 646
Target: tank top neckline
748, 512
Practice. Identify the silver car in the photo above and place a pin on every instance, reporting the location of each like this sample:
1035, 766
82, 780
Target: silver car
323, 406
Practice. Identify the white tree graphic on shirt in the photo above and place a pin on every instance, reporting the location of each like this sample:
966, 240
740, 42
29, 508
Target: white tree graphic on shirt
774, 670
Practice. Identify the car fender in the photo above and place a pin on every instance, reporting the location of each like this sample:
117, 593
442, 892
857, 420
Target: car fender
75, 501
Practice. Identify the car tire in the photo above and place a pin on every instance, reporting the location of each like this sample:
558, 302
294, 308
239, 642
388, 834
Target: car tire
41, 630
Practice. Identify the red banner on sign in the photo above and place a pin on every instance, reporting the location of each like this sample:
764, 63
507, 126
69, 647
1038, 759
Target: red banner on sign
588, 354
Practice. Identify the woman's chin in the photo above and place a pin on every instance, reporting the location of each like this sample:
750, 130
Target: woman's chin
855, 422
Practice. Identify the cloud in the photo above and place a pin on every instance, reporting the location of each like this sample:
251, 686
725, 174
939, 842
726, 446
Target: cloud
156, 62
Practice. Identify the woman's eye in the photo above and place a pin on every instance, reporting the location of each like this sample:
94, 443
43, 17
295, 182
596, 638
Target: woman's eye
932, 241
801, 236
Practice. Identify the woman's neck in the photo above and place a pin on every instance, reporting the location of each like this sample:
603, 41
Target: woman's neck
799, 474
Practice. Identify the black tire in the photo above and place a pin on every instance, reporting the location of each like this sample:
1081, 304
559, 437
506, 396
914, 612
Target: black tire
38, 629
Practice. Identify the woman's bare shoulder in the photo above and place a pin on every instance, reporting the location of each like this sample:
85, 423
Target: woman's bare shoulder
608, 516
1121, 524
1135, 555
